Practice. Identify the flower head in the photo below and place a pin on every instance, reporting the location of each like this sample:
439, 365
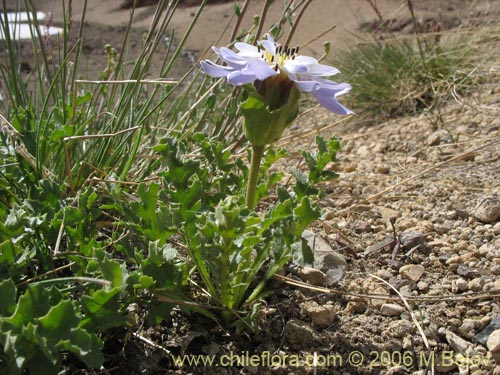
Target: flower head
256, 64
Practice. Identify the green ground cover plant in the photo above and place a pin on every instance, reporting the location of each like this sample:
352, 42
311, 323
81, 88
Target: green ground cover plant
101, 207
397, 75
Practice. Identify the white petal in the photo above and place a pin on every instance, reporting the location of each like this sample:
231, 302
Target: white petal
216, 50
331, 103
323, 70
241, 77
269, 46
247, 50
215, 70
306, 60
343, 88
270, 38
261, 69
230, 56
339, 88
328, 99
306, 86
295, 67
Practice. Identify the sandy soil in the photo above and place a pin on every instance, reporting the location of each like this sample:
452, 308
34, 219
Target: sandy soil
321, 15
107, 19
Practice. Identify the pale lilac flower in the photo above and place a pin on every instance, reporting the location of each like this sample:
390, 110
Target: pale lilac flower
257, 63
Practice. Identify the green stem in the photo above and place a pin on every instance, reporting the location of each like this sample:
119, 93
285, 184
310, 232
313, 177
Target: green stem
257, 153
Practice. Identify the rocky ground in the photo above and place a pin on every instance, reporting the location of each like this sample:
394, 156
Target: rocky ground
417, 205
416, 209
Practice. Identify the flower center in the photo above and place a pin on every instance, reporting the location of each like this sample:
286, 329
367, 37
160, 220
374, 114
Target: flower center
283, 53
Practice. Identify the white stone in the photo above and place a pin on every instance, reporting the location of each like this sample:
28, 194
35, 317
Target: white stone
412, 272
391, 309
458, 344
493, 345
488, 209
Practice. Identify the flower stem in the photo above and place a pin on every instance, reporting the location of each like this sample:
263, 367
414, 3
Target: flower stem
257, 153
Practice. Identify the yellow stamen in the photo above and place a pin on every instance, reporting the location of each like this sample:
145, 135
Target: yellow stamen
282, 54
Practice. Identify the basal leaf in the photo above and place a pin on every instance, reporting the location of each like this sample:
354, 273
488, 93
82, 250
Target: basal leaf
113, 271
34, 303
305, 214
58, 321
8, 299
102, 310
39, 364
84, 345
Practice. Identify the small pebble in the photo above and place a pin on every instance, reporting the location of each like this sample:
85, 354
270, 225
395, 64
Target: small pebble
391, 309
461, 284
312, 276
495, 270
488, 209
458, 344
476, 285
412, 272
469, 328
493, 345
422, 286
322, 316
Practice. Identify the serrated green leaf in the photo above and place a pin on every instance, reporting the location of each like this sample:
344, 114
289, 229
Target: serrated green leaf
320, 142
42, 324
305, 213
8, 300
161, 266
102, 310
58, 321
34, 303
310, 159
300, 177
158, 312
72, 215
192, 194
146, 282
39, 364
85, 345
283, 194
114, 272
7, 257
160, 254
251, 241
92, 304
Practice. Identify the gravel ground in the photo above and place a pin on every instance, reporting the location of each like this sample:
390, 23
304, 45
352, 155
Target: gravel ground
416, 209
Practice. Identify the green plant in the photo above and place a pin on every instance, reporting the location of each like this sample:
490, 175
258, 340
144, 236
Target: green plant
397, 77
235, 250
40, 324
61, 261
74, 130
97, 214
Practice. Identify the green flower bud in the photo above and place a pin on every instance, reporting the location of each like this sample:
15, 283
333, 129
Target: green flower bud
272, 105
